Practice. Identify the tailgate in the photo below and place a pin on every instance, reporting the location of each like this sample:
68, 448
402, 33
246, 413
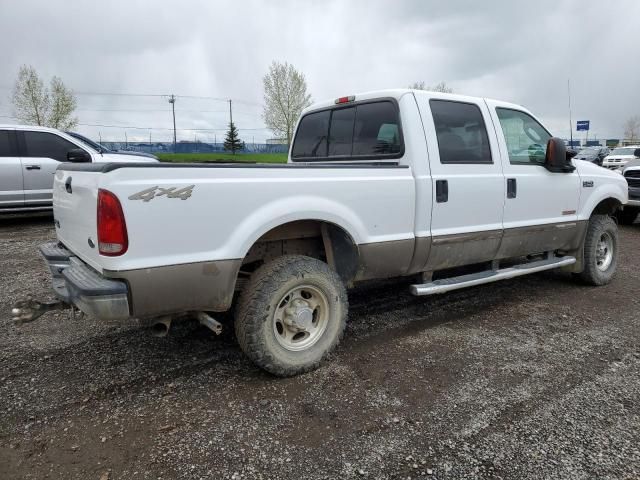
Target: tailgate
75, 196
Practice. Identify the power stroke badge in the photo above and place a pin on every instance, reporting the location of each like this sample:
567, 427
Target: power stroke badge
170, 192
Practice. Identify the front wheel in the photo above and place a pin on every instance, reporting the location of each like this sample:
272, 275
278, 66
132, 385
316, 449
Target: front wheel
600, 250
291, 314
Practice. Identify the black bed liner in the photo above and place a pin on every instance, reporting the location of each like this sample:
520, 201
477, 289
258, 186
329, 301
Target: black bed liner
109, 167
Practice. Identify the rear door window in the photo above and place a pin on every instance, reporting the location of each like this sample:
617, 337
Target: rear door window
461, 132
362, 131
7, 143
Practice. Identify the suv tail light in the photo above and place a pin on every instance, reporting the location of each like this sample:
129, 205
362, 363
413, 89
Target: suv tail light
112, 229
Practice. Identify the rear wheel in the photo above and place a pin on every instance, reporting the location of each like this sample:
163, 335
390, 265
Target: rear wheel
600, 250
627, 216
291, 314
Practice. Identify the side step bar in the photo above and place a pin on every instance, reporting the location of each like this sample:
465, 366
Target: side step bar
472, 279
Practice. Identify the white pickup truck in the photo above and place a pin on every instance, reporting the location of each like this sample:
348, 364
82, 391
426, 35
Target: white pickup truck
384, 184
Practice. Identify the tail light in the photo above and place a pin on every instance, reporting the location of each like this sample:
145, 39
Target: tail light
112, 229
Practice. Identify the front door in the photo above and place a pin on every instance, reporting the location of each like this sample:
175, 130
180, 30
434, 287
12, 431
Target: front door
468, 184
42, 152
540, 212
11, 188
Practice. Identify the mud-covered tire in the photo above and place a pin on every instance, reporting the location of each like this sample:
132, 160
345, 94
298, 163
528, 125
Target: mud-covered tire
601, 228
256, 325
627, 216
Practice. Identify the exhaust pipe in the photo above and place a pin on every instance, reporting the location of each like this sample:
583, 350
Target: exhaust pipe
209, 322
161, 327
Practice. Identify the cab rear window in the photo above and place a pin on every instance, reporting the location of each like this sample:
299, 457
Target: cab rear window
368, 130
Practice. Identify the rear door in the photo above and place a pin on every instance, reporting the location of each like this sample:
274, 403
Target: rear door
11, 187
468, 184
41, 153
540, 211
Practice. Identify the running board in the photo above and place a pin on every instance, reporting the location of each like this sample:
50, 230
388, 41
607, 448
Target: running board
472, 279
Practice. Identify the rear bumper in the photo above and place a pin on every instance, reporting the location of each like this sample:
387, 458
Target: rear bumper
78, 284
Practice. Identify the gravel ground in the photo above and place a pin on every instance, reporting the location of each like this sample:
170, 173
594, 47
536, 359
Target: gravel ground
533, 378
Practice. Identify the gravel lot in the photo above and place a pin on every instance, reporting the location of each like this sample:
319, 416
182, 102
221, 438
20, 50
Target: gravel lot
533, 378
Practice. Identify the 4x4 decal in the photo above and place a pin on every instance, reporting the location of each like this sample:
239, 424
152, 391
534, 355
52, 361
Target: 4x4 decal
170, 192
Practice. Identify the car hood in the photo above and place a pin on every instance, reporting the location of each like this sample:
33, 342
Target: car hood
633, 164
136, 154
125, 157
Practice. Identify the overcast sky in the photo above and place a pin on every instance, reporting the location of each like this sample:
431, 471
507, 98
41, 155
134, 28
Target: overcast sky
519, 51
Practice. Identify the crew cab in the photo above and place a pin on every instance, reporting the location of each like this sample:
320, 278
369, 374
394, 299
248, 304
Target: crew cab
449, 190
29, 157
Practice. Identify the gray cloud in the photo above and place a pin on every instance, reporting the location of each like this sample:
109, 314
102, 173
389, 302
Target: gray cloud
518, 51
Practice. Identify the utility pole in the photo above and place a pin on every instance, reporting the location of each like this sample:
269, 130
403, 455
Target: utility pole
150, 141
100, 136
230, 113
126, 141
570, 121
172, 101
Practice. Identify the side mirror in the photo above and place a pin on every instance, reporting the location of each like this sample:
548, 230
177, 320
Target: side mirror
636, 152
557, 158
78, 155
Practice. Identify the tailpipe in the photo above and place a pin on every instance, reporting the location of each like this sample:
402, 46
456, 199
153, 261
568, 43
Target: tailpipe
161, 327
209, 322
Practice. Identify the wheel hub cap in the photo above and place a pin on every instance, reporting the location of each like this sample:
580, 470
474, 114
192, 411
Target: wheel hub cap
301, 318
604, 252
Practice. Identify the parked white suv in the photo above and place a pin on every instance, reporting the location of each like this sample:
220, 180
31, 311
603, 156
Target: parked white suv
619, 157
29, 157
396, 183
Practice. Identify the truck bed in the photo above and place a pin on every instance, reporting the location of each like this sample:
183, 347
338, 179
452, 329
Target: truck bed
219, 219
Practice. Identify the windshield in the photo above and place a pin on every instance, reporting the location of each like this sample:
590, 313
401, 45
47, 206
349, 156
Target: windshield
88, 142
588, 151
622, 151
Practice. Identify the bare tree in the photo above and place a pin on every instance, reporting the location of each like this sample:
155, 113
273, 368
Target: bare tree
34, 104
285, 96
632, 128
439, 87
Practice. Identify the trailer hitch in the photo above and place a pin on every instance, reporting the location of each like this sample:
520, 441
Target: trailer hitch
25, 311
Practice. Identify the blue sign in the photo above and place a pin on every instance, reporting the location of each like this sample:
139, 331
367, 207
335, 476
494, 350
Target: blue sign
582, 125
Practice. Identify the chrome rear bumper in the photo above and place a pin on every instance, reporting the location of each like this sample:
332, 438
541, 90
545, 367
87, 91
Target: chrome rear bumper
76, 283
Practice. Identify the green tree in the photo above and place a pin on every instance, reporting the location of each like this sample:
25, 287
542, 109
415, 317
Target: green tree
35, 104
232, 141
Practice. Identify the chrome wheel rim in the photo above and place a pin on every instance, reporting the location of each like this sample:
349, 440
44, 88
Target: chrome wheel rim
300, 318
604, 251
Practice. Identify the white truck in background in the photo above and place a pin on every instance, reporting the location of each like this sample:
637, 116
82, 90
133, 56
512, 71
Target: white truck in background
383, 184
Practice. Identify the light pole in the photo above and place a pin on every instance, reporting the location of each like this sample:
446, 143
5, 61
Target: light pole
172, 101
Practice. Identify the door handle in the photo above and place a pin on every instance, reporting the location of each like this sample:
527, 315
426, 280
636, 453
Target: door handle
442, 191
33, 167
512, 188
